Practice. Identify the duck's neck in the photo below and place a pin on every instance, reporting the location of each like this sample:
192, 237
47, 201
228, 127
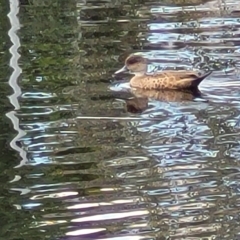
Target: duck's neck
139, 73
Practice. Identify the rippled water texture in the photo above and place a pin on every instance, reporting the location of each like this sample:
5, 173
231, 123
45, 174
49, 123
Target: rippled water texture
85, 158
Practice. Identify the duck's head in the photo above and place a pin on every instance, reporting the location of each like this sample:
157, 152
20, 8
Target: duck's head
135, 64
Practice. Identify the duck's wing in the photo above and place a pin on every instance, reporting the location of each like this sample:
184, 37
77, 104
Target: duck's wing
187, 78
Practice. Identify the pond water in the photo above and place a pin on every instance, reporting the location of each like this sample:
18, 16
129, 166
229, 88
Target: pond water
82, 158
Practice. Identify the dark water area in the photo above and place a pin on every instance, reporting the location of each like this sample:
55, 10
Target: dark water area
83, 157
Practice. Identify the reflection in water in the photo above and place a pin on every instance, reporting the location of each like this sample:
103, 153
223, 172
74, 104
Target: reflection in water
15, 26
104, 161
139, 102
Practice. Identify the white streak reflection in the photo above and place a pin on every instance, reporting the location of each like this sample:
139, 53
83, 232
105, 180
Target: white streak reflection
13, 80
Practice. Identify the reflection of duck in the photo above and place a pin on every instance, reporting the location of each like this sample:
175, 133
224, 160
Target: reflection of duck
140, 100
160, 80
167, 95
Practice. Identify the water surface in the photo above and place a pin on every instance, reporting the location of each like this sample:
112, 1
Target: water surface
81, 158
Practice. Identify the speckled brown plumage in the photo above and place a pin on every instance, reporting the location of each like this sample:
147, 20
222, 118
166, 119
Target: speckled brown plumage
168, 80
160, 80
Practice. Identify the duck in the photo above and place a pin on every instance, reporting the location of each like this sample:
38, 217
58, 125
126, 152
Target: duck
163, 80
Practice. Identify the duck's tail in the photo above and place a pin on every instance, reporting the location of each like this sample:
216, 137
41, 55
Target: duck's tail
199, 79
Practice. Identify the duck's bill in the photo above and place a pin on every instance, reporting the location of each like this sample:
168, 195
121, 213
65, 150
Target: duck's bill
123, 69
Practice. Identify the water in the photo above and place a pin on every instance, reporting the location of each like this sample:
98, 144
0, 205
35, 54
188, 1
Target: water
81, 158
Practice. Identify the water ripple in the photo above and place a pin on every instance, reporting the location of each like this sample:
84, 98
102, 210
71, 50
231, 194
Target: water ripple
95, 170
